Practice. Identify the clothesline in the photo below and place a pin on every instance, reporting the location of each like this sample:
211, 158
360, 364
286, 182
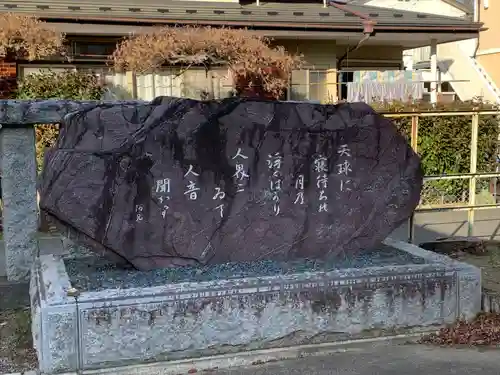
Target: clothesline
405, 81
369, 91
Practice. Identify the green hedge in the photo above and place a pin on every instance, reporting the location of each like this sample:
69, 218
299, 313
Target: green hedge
61, 85
444, 145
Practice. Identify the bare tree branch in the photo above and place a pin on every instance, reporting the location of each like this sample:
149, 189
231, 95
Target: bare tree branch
244, 53
28, 37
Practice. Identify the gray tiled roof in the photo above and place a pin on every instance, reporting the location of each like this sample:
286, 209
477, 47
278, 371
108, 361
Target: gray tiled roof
388, 16
269, 14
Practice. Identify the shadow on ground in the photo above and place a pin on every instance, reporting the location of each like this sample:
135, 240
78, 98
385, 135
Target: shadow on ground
432, 225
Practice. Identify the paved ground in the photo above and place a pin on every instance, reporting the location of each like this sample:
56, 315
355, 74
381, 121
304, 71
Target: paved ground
13, 295
386, 360
431, 225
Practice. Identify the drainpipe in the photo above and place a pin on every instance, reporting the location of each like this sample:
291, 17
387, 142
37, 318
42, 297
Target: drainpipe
476, 19
341, 6
368, 31
434, 71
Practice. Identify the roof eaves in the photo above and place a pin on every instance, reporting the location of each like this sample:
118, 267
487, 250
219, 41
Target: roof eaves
429, 28
369, 14
282, 25
280, 16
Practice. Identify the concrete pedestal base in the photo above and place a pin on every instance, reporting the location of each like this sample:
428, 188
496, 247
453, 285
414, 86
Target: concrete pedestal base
117, 326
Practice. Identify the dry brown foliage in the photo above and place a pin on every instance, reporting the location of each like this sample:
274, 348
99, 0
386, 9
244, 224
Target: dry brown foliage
244, 53
484, 330
27, 37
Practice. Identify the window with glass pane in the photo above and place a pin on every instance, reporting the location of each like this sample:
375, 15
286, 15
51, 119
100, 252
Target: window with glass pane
317, 86
94, 49
197, 84
299, 88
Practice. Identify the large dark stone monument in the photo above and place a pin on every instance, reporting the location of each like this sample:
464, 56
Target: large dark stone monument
182, 182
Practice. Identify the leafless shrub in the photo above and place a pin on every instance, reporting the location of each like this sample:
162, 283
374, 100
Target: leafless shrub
27, 37
244, 53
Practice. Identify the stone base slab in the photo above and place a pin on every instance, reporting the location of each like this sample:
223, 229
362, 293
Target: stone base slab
117, 327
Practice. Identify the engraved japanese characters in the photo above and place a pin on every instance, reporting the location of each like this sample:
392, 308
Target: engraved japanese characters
180, 181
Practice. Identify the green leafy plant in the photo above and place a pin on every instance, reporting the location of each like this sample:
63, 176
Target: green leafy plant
48, 84
444, 143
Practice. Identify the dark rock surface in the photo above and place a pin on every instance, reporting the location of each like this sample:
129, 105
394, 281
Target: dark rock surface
179, 182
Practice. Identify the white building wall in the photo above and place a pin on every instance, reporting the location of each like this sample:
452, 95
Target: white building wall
423, 6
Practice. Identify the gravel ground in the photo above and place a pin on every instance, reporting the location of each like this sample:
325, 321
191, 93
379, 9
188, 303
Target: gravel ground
96, 274
16, 348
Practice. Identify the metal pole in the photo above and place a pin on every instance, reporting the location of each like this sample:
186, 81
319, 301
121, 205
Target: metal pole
75, 293
497, 169
473, 169
414, 133
434, 71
